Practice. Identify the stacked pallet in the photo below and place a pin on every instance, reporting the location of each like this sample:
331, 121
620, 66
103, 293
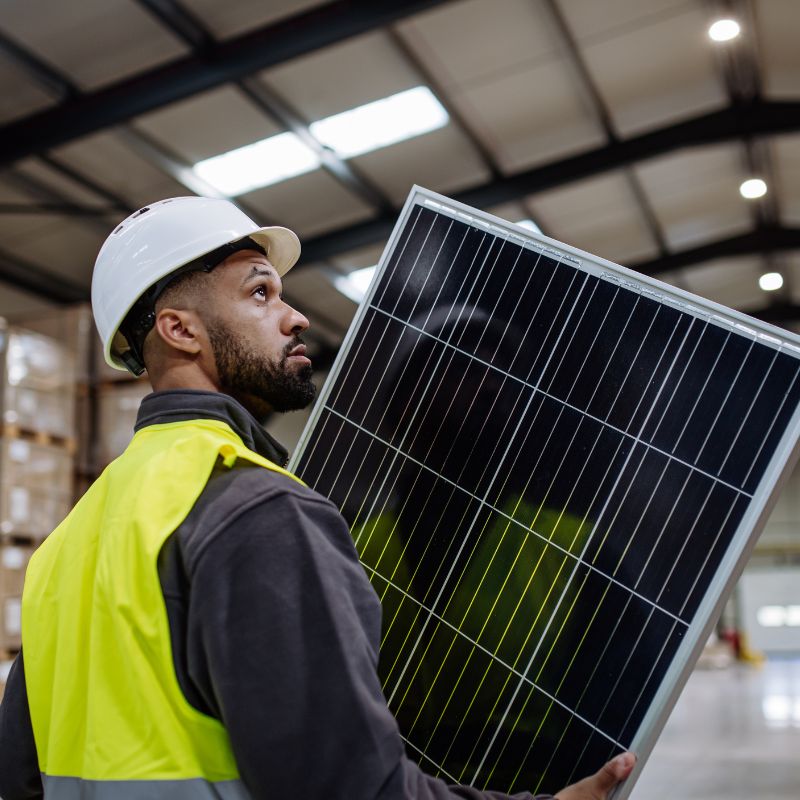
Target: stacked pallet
118, 395
38, 376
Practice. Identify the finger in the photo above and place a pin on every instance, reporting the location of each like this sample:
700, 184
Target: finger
613, 772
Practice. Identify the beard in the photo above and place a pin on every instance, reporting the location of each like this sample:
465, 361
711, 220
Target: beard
258, 382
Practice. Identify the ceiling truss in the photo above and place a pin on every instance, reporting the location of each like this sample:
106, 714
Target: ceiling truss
211, 63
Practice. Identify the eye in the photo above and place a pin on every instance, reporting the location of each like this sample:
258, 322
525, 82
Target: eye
261, 291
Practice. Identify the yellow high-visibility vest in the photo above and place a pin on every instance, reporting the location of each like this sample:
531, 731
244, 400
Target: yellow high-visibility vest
105, 702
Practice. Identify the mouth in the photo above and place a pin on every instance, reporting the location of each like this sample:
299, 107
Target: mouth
298, 355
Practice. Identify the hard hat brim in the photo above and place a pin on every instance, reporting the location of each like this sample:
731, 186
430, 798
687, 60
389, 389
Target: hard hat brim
282, 247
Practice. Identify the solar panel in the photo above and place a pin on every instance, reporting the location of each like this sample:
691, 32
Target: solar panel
553, 469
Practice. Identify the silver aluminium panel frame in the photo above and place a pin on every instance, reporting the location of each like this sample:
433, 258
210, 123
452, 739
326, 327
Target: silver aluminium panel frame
754, 519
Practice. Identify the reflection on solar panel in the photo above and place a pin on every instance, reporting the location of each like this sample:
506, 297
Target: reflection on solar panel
553, 470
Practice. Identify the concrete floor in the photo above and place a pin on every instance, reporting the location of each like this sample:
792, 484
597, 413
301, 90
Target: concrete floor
734, 734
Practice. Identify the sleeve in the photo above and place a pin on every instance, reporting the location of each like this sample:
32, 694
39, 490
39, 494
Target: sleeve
19, 763
283, 630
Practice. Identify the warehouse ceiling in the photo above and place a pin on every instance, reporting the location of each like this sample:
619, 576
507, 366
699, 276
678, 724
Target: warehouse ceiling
618, 127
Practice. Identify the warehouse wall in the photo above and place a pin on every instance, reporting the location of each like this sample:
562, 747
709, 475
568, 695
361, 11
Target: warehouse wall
783, 528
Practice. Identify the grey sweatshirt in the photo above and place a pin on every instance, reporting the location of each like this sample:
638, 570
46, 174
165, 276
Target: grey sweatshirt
275, 632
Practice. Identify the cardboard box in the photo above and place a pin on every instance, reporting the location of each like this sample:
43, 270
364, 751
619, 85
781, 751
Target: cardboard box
32, 512
36, 361
38, 466
5, 668
72, 329
10, 623
39, 376
48, 411
118, 406
13, 563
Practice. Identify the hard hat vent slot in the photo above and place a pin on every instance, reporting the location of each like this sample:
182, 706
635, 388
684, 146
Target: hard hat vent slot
140, 212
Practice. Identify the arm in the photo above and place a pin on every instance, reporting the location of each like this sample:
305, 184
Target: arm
283, 630
19, 764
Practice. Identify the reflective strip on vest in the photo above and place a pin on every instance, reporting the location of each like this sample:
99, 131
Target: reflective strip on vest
58, 788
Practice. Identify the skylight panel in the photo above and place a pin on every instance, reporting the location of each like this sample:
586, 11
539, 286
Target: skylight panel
356, 283
381, 123
260, 164
350, 133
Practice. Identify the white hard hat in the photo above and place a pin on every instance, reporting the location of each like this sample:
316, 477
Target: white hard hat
158, 240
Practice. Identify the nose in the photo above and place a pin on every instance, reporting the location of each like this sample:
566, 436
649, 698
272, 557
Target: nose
294, 323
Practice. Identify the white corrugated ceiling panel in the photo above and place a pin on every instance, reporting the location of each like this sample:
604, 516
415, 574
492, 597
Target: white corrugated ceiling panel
16, 304
19, 96
59, 184
93, 41
786, 155
504, 73
652, 69
531, 116
443, 160
208, 124
341, 77
730, 281
309, 204
778, 24
513, 212
66, 247
475, 41
593, 21
19, 226
791, 262
230, 19
113, 165
695, 194
599, 215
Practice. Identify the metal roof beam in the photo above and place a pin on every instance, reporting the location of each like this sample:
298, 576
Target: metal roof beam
763, 240
603, 117
191, 31
778, 313
223, 63
43, 194
62, 209
759, 118
416, 63
28, 277
42, 73
271, 103
140, 143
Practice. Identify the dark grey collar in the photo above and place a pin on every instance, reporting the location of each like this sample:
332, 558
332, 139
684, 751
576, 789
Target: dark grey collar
179, 405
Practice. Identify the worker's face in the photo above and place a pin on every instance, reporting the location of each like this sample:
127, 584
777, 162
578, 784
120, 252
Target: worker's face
255, 337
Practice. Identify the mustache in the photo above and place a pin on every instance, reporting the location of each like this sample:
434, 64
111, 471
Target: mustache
291, 346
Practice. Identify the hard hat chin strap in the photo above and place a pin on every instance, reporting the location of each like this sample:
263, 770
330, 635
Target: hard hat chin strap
140, 320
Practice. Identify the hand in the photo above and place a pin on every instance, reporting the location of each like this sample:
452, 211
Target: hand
601, 783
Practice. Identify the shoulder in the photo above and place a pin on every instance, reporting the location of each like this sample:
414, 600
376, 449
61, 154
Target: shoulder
249, 505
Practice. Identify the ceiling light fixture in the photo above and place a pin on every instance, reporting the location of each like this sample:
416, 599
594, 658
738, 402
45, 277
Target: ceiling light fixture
255, 165
753, 188
381, 123
770, 281
723, 30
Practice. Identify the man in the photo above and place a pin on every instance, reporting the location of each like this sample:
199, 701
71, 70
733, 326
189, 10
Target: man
200, 626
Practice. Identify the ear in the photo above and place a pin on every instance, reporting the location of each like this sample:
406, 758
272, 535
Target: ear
180, 329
